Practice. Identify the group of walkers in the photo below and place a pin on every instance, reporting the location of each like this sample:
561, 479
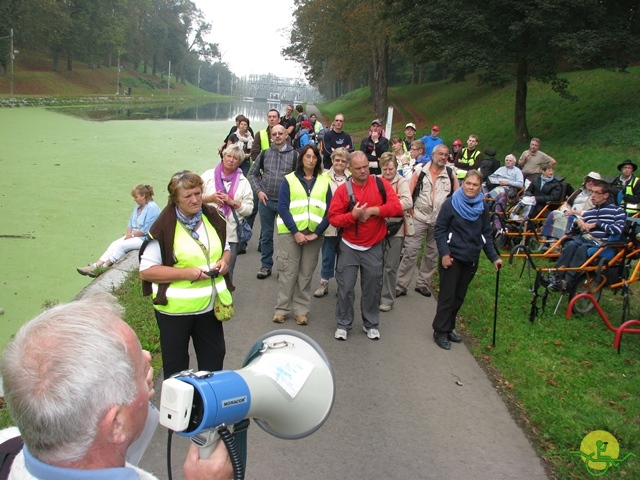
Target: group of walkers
365, 212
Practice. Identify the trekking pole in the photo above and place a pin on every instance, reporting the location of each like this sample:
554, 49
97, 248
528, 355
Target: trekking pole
495, 308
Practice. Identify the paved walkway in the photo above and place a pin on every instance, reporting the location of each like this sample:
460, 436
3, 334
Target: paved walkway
404, 408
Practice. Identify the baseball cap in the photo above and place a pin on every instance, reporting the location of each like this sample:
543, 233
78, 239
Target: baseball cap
306, 124
376, 122
436, 128
410, 125
457, 143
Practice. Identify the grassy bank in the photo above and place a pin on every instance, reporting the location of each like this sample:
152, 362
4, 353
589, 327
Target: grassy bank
36, 79
561, 378
594, 133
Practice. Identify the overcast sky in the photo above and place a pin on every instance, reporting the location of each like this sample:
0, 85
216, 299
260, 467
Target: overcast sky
251, 33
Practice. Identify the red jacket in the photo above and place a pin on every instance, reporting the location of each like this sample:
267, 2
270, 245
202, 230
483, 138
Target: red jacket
373, 230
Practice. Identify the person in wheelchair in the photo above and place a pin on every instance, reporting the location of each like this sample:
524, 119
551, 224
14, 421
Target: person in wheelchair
544, 189
604, 222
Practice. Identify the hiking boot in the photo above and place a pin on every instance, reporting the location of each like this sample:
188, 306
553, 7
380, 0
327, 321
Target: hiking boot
322, 290
385, 308
341, 334
89, 270
424, 291
302, 319
400, 292
263, 273
372, 333
442, 340
454, 337
277, 318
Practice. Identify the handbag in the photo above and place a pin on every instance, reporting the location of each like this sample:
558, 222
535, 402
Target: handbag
221, 311
243, 229
394, 227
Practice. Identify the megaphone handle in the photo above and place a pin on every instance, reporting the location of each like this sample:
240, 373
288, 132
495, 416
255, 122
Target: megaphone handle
206, 442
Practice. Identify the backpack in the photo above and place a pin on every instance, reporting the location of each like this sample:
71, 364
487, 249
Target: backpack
418, 188
392, 227
8, 452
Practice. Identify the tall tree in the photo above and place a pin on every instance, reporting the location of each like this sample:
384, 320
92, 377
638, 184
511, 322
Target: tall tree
522, 40
352, 51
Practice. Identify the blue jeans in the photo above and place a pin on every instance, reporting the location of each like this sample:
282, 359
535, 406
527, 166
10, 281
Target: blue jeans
268, 215
329, 250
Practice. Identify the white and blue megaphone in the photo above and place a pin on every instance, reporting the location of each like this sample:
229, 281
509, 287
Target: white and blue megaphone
286, 385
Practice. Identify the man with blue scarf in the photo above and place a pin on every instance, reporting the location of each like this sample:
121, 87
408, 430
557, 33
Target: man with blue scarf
462, 230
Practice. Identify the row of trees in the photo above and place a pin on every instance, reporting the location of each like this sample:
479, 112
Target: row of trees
144, 34
374, 42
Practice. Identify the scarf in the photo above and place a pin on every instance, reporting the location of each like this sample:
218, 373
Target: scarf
468, 208
219, 177
190, 223
248, 140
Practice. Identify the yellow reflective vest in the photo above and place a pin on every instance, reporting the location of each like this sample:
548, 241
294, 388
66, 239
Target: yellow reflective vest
184, 296
630, 208
264, 140
307, 210
468, 160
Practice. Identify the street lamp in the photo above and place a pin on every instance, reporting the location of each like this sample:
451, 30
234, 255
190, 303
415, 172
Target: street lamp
199, 79
118, 82
12, 55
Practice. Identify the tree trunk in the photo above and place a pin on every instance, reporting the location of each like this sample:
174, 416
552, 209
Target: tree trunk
56, 61
379, 76
69, 63
520, 112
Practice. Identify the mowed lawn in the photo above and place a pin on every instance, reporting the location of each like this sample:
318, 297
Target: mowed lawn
66, 182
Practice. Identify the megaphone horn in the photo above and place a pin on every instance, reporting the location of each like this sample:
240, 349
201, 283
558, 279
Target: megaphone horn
286, 384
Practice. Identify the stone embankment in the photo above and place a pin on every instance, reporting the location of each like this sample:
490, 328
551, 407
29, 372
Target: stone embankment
14, 102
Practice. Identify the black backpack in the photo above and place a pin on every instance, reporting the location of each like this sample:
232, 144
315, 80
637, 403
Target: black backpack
418, 187
8, 452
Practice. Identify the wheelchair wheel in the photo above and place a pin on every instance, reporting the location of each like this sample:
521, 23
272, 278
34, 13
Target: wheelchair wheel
585, 284
535, 246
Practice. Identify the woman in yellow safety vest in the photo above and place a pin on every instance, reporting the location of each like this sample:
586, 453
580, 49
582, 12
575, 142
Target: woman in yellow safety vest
184, 266
303, 203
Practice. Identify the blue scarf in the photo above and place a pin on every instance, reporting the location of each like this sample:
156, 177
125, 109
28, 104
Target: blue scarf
468, 208
190, 223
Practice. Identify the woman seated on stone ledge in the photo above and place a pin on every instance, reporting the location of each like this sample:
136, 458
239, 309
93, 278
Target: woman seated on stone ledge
143, 216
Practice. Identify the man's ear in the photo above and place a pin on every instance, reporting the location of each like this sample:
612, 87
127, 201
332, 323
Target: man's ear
112, 425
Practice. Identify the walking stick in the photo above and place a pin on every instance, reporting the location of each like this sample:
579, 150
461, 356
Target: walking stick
495, 307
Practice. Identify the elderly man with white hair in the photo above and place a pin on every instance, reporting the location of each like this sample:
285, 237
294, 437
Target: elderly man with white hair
507, 176
77, 384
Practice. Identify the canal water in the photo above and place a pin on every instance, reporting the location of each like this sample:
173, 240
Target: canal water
66, 176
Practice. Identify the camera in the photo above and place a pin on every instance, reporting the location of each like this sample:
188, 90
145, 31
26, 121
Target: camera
213, 273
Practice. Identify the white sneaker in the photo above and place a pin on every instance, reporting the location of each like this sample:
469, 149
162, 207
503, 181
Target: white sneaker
341, 334
372, 333
385, 308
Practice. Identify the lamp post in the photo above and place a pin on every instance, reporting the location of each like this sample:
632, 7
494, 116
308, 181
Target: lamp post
12, 53
118, 82
199, 79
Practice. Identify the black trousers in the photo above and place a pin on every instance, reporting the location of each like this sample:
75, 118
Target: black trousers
208, 341
454, 282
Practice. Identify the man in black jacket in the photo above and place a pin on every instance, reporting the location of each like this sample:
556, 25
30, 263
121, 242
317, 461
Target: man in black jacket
374, 146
